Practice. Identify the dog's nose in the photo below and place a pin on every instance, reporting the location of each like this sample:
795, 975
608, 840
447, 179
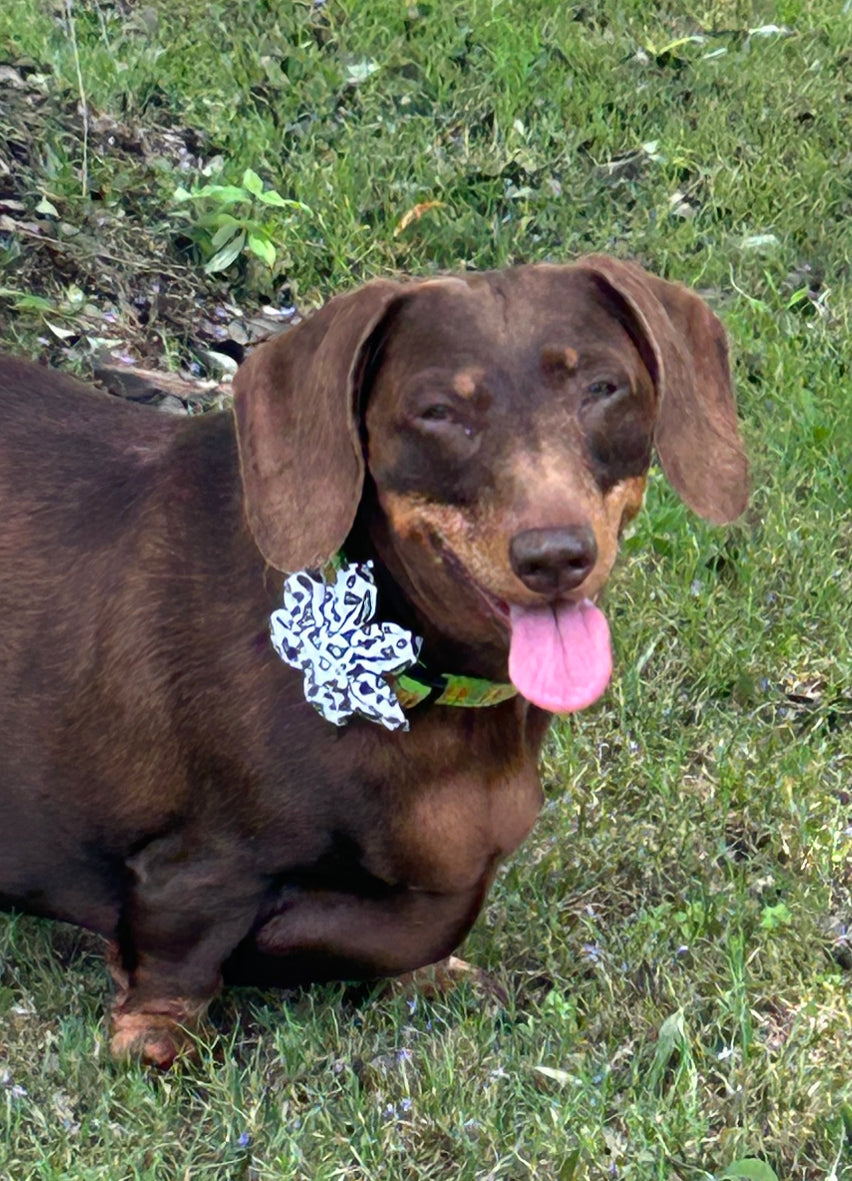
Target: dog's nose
549, 561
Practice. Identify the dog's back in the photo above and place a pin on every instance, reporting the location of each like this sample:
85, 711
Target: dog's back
77, 473
67, 498
74, 467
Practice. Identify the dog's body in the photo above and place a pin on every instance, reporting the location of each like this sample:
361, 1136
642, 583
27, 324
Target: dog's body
162, 779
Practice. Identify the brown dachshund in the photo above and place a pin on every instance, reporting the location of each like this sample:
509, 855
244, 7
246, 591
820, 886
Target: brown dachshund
163, 780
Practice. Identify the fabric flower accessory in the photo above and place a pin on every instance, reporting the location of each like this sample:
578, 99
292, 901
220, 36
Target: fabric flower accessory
325, 629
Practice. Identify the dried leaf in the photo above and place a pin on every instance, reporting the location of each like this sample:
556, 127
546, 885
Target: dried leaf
415, 213
62, 333
758, 242
551, 1072
360, 71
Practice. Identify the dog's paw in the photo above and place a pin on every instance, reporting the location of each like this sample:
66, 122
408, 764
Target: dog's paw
152, 1039
158, 1034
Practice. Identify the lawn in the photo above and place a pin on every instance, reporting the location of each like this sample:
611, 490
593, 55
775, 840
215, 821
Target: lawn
675, 938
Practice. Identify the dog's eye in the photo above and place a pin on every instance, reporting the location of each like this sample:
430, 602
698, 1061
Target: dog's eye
439, 412
446, 423
603, 389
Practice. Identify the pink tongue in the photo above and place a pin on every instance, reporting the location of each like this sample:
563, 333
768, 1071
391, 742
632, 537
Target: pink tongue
560, 658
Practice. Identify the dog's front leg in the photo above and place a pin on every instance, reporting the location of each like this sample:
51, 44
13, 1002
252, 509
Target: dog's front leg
363, 936
185, 914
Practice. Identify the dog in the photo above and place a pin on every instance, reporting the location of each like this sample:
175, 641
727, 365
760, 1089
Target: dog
467, 450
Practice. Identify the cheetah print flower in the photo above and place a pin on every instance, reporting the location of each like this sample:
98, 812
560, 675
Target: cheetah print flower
325, 630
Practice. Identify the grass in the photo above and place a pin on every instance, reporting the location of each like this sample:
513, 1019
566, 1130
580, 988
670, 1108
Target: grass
670, 937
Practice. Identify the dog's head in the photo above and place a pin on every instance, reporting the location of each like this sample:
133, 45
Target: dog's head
506, 421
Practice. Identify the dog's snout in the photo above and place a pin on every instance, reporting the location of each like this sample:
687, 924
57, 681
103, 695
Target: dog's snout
550, 561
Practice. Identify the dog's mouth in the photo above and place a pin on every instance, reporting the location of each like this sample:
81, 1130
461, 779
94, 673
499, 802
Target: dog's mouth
494, 606
560, 657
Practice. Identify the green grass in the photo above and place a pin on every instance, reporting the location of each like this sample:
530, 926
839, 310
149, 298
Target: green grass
665, 937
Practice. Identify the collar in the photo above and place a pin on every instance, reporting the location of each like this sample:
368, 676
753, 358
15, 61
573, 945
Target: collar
417, 685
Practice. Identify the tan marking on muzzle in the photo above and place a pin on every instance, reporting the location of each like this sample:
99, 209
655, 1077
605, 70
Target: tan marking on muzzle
608, 516
476, 540
480, 541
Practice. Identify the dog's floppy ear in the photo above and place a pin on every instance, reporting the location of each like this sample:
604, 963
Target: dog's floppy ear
696, 436
300, 451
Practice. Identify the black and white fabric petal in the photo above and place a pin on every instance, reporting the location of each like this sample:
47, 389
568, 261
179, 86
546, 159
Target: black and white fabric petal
326, 630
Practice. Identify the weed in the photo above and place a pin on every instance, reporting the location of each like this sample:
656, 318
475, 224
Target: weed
232, 221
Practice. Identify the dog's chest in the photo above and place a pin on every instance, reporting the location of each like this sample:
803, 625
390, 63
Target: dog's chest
445, 803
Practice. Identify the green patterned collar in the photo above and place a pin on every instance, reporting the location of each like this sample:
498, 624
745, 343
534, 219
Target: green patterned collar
449, 689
